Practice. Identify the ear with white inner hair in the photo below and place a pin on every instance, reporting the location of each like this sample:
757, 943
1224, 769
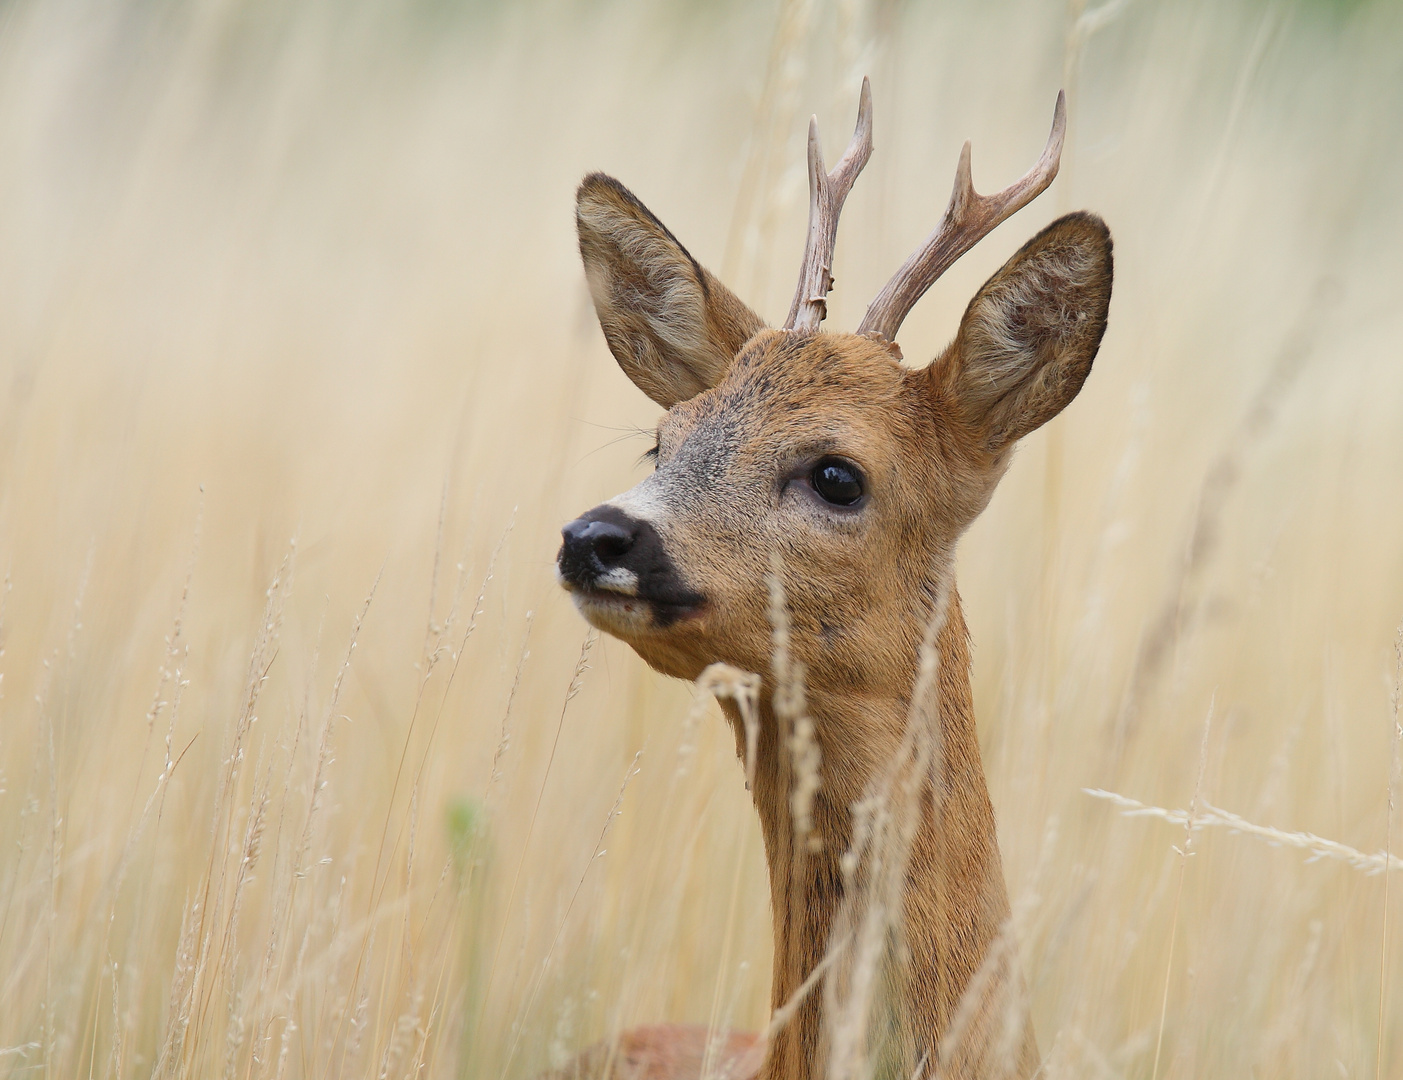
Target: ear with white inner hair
1028, 337
672, 326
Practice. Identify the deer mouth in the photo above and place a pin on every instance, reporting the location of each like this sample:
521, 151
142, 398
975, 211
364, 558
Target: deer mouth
626, 614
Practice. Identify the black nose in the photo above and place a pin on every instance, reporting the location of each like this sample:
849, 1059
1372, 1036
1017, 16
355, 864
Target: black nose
593, 547
609, 551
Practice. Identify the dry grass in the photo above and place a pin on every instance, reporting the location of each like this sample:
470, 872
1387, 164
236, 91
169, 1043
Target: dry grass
292, 318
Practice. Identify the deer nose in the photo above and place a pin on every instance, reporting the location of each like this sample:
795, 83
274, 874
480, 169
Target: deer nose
592, 547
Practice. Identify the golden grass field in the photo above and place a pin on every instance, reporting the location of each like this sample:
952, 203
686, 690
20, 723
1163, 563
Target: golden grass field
296, 355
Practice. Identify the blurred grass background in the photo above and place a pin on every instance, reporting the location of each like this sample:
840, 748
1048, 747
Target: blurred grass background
292, 315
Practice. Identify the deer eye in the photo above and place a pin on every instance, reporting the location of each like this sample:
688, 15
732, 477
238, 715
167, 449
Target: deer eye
837, 481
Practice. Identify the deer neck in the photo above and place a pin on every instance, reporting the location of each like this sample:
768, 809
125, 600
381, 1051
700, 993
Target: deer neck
953, 898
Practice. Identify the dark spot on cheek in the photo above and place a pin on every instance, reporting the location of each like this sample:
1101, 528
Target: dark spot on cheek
831, 633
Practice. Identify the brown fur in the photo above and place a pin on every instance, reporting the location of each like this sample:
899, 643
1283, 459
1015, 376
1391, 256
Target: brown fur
747, 418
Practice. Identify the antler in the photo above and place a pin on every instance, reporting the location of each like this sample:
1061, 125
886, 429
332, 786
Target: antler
968, 219
827, 192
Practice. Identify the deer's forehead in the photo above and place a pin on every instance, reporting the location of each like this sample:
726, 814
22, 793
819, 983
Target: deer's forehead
780, 393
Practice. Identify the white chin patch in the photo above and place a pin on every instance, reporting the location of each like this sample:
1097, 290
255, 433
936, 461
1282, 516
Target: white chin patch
621, 616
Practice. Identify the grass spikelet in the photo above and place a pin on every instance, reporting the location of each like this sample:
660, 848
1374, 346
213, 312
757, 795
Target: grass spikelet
504, 739
1184, 853
1210, 816
324, 753
742, 687
796, 726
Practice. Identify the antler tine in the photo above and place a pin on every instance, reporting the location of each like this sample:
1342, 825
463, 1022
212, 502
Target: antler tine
827, 193
968, 219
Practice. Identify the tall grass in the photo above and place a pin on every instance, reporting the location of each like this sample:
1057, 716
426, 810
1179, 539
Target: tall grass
309, 769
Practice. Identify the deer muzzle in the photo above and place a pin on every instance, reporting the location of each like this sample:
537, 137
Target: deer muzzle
619, 573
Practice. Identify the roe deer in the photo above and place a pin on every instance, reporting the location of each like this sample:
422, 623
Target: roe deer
812, 465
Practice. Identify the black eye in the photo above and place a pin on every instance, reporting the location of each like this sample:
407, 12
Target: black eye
837, 481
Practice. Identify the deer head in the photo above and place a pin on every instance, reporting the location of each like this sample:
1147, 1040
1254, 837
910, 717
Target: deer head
859, 473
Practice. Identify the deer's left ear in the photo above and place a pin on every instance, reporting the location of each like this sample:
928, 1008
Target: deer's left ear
671, 325
1029, 336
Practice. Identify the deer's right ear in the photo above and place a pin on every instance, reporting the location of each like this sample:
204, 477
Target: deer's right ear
672, 326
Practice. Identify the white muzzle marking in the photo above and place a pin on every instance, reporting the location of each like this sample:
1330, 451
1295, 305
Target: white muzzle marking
618, 580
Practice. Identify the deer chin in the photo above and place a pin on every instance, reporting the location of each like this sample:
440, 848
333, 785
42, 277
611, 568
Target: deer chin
633, 618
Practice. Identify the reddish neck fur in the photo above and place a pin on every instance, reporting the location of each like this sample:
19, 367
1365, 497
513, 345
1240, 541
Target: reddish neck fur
955, 900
